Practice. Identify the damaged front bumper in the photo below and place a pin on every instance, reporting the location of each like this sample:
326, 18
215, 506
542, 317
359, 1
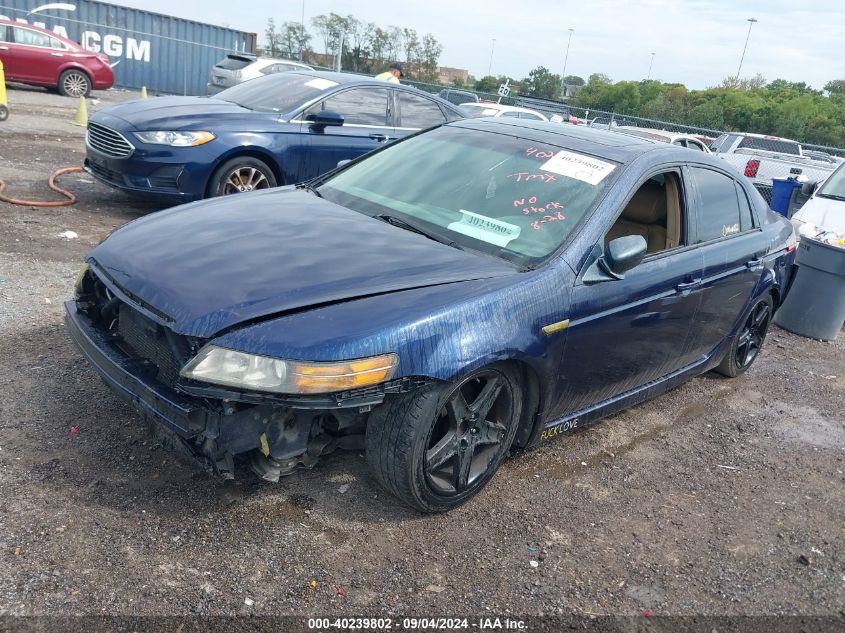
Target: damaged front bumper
214, 424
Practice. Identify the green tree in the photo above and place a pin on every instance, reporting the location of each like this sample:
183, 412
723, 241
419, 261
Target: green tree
429, 54
574, 80
293, 39
271, 36
489, 83
541, 82
835, 86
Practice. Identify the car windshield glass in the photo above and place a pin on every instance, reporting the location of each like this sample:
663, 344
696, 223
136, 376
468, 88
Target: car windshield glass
835, 184
513, 198
473, 110
233, 62
281, 92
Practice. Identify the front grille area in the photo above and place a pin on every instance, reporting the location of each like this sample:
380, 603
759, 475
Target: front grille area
105, 173
149, 341
108, 142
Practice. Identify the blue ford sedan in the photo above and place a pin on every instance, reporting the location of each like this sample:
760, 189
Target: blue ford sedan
275, 130
477, 287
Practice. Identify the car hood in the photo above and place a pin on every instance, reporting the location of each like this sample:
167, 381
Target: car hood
212, 265
171, 112
826, 213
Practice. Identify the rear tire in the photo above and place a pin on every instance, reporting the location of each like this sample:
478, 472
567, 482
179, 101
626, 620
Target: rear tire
74, 83
4, 112
240, 175
749, 340
436, 447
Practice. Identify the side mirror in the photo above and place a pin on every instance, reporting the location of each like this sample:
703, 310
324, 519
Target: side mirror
325, 119
623, 254
809, 188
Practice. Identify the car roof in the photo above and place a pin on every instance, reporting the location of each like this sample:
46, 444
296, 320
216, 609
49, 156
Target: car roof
615, 146
279, 60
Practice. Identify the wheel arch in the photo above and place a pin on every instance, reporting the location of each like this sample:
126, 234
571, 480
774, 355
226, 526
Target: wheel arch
250, 152
74, 66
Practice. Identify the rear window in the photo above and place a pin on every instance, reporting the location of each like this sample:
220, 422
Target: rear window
279, 92
234, 62
770, 145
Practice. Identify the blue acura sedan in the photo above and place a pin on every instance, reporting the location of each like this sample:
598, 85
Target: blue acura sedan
477, 287
280, 129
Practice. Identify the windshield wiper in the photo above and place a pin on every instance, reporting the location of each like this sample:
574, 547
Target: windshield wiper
402, 224
309, 187
832, 196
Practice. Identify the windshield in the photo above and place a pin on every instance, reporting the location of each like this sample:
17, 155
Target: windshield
281, 92
835, 184
513, 198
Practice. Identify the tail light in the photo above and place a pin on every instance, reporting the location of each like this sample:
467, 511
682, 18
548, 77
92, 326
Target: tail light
751, 168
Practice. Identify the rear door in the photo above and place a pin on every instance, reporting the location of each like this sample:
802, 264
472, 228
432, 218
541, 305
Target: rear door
416, 112
5, 54
367, 125
732, 247
37, 56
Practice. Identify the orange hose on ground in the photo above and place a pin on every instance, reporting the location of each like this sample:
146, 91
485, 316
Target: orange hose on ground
52, 184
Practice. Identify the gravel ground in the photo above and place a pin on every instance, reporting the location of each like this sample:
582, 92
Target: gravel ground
722, 497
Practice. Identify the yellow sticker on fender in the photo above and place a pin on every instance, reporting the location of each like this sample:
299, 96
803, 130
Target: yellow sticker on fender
579, 167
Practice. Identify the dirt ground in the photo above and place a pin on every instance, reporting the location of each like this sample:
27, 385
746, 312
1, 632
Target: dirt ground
722, 497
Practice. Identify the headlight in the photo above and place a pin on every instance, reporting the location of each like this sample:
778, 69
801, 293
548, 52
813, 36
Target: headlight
250, 371
175, 139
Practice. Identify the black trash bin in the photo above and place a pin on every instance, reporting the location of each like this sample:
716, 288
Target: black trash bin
815, 303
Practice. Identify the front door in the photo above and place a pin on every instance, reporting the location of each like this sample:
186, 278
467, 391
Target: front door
626, 333
732, 249
367, 126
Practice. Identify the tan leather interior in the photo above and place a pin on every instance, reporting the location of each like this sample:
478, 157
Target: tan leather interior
654, 212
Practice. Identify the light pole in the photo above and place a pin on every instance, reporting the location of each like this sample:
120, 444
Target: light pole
302, 34
651, 63
751, 22
566, 57
490, 65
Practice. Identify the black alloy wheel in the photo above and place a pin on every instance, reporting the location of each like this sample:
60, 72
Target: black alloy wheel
468, 433
749, 341
437, 446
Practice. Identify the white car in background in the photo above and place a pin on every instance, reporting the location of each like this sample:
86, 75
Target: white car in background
825, 210
663, 136
474, 110
237, 68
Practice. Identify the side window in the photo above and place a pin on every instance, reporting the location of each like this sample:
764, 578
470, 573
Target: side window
510, 114
746, 219
656, 211
31, 38
4, 33
419, 112
695, 145
528, 115
57, 44
719, 213
359, 106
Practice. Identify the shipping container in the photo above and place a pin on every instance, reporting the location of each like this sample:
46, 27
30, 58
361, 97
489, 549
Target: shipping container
166, 54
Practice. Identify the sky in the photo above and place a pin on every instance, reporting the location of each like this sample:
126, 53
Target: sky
695, 42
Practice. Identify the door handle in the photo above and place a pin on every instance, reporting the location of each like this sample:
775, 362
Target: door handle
754, 264
381, 138
684, 288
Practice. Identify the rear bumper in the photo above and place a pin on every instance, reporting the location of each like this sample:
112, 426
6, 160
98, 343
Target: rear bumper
177, 412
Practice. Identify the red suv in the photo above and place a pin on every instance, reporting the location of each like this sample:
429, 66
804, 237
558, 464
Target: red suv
32, 55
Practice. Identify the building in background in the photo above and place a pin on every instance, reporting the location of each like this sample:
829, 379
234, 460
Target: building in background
446, 75
166, 54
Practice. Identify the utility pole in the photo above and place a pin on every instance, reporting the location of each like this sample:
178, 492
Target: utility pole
490, 65
302, 34
751, 22
649, 67
565, 62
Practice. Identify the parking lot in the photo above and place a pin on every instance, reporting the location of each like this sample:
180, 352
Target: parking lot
722, 497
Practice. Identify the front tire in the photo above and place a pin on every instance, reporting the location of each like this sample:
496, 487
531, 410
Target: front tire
240, 175
436, 447
74, 83
748, 342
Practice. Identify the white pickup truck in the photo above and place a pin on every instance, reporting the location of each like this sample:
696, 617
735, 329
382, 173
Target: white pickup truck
762, 158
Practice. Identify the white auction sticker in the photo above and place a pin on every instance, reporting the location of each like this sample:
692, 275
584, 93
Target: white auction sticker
579, 167
321, 84
485, 229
